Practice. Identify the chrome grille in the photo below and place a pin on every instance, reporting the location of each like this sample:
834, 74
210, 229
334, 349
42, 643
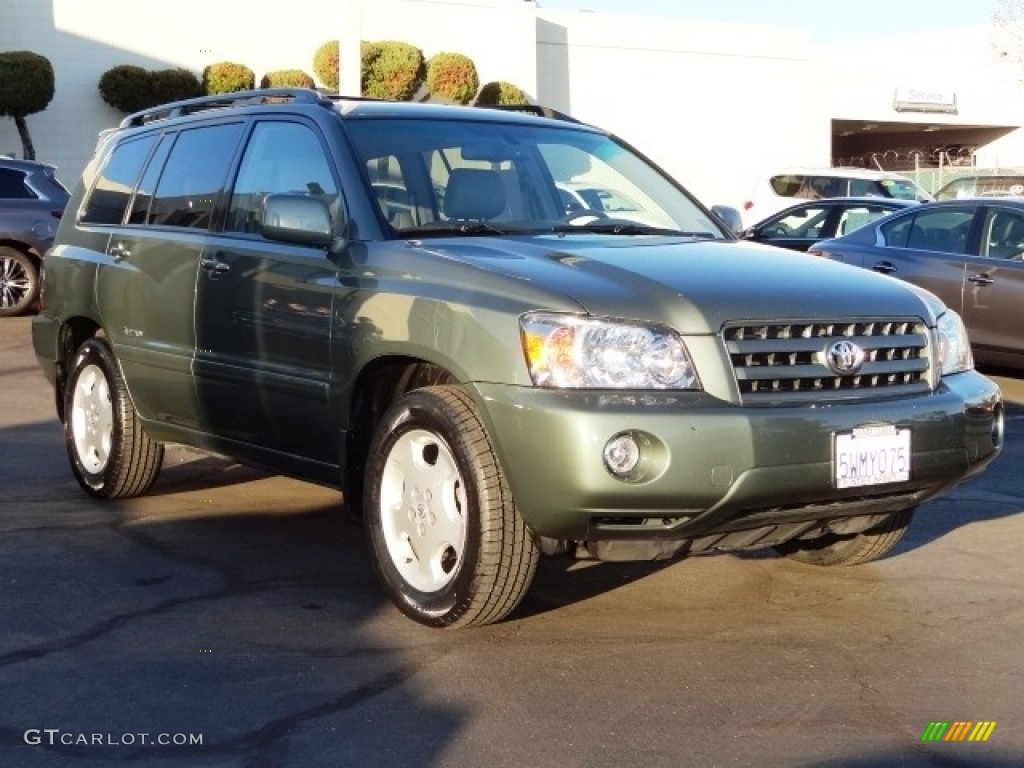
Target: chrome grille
788, 360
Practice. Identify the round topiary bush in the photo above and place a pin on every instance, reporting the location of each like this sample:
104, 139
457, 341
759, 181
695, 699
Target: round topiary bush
26, 87
452, 77
127, 88
228, 77
500, 92
287, 78
174, 85
325, 64
392, 70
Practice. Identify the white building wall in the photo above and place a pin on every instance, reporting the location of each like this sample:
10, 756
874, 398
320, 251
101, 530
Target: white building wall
717, 105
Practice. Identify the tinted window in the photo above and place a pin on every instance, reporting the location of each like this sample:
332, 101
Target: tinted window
194, 176
109, 198
944, 231
854, 218
279, 157
1003, 235
12, 185
144, 194
807, 222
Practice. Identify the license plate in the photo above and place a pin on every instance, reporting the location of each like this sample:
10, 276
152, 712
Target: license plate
872, 456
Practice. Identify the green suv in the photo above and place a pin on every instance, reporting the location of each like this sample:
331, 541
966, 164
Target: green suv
395, 299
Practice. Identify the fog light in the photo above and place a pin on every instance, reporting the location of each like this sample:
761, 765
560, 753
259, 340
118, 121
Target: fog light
621, 455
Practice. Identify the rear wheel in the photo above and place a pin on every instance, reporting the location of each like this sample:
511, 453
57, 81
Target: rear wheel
850, 549
446, 539
111, 455
19, 282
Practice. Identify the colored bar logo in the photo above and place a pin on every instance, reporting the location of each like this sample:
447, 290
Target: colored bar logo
958, 730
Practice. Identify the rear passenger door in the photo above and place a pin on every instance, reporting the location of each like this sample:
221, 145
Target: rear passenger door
158, 225
929, 249
263, 316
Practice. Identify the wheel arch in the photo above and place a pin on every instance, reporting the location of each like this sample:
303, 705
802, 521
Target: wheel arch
74, 332
378, 385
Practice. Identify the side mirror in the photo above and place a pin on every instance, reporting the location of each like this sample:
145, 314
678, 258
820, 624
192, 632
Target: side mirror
730, 217
299, 219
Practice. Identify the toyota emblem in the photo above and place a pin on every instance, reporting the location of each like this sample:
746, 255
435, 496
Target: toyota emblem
844, 357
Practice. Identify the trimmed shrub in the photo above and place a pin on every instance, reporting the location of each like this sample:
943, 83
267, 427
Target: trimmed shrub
452, 77
26, 87
173, 85
127, 88
392, 70
287, 78
500, 92
228, 77
325, 64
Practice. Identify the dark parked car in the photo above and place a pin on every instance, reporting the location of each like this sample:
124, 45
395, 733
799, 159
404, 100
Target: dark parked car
801, 226
31, 203
969, 253
392, 299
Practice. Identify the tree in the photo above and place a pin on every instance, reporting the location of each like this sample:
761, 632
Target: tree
392, 70
227, 77
499, 92
452, 77
26, 87
325, 64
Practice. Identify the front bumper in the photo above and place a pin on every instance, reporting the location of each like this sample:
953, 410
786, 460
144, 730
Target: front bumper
712, 467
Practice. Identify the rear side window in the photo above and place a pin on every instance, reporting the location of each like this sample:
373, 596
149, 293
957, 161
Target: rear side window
109, 197
943, 231
12, 185
194, 176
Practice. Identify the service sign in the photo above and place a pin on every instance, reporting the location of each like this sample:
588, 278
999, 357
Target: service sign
872, 456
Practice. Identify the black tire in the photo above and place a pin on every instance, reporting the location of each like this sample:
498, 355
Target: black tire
111, 455
852, 549
19, 282
445, 537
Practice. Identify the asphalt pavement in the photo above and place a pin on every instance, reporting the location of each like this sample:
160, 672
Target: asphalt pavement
231, 618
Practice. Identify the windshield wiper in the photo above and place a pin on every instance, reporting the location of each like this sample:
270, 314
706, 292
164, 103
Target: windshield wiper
608, 228
455, 228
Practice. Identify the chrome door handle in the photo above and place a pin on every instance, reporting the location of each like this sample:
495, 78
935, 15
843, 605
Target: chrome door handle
214, 266
885, 267
118, 251
980, 279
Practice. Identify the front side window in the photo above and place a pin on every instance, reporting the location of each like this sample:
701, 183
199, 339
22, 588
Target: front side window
109, 197
194, 176
279, 157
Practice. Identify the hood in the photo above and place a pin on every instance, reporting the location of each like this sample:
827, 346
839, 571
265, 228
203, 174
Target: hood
695, 286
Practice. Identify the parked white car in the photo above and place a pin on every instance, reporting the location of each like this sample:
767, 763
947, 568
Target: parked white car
780, 190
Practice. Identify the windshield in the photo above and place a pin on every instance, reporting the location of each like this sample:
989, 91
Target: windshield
434, 177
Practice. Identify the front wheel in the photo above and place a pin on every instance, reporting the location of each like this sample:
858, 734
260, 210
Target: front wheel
446, 539
850, 549
111, 455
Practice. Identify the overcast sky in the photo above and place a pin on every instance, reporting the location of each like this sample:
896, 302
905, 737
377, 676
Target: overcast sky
827, 20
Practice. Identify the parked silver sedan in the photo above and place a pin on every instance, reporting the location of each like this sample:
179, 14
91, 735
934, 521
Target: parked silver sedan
969, 252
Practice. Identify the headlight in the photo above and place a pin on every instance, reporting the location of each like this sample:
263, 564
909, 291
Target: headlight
587, 353
954, 346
